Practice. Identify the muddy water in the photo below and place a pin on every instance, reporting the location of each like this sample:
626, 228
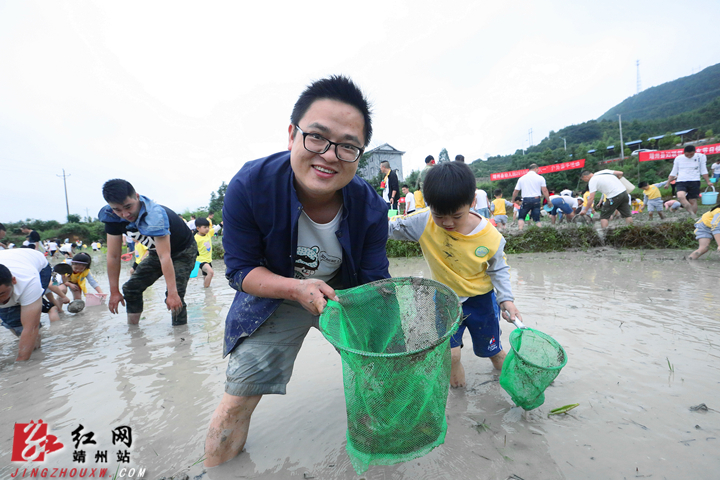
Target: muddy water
623, 318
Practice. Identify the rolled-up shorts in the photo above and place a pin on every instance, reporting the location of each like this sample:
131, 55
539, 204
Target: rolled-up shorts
11, 316
692, 189
655, 205
482, 319
263, 363
559, 204
703, 231
530, 205
621, 203
500, 219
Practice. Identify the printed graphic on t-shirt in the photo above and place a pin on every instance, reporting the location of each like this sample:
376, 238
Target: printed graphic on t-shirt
137, 237
309, 259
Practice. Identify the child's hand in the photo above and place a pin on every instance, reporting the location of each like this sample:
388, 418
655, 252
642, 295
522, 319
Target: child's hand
509, 311
74, 287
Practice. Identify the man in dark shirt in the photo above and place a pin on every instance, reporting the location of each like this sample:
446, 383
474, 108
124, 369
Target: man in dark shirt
391, 187
33, 237
171, 250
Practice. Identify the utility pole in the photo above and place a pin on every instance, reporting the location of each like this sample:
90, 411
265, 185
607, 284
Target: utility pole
67, 206
638, 76
530, 133
564, 144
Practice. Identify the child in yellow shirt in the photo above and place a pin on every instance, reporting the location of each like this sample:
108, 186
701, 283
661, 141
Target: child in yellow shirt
466, 253
498, 208
203, 237
653, 198
707, 228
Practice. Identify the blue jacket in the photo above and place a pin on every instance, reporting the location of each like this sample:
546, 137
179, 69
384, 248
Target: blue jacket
260, 228
151, 221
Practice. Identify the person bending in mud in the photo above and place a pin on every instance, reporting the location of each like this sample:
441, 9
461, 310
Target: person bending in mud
297, 225
477, 266
617, 199
170, 244
24, 278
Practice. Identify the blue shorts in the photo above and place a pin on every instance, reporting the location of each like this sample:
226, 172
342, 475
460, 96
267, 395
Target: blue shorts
559, 204
703, 231
500, 219
530, 205
482, 319
11, 316
484, 212
655, 205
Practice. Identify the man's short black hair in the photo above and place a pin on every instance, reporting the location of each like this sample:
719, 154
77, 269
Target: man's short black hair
201, 222
460, 158
405, 186
339, 88
689, 148
429, 159
642, 184
585, 173
385, 164
5, 276
498, 191
533, 166
117, 190
448, 187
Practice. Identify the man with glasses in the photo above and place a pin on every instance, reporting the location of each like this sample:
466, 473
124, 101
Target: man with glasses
298, 224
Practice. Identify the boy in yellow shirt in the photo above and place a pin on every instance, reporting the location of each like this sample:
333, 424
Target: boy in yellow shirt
497, 207
203, 237
652, 198
465, 252
707, 228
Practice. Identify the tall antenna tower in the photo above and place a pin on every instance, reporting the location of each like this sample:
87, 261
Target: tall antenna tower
639, 88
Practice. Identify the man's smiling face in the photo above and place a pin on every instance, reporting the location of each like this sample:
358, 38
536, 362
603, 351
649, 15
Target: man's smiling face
321, 176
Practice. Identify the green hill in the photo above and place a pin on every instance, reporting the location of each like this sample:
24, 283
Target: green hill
671, 98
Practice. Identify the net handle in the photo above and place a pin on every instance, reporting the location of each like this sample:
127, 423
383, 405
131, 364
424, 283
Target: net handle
518, 323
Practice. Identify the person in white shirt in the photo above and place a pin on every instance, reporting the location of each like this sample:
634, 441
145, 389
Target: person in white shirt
715, 167
409, 199
24, 279
565, 203
687, 169
533, 187
608, 183
482, 206
191, 223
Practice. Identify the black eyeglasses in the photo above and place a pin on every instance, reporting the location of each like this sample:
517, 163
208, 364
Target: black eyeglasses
316, 143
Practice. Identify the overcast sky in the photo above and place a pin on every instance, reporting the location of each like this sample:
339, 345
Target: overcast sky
176, 96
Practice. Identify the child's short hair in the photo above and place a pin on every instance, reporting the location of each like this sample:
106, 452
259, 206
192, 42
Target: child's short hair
83, 258
498, 191
202, 222
642, 184
449, 187
63, 269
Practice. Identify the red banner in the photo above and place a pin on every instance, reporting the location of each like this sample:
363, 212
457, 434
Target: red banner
665, 154
558, 167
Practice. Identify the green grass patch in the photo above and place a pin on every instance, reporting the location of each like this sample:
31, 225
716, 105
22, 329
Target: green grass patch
398, 248
678, 234
551, 239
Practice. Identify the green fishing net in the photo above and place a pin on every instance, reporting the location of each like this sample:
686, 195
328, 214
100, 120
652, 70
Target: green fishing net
394, 339
534, 360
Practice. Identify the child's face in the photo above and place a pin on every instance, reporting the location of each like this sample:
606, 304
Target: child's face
203, 230
645, 187
462, 221
78, 267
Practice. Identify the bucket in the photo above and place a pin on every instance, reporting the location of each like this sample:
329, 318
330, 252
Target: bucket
94, 299
709, 198
394, 339
392, 213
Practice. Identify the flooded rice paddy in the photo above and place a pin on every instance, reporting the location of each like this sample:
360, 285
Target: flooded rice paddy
641, 330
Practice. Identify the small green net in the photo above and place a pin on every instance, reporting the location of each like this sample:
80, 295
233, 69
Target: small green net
394, 339
535, 359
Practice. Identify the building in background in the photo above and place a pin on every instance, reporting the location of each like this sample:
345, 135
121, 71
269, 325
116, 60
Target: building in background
385, 152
